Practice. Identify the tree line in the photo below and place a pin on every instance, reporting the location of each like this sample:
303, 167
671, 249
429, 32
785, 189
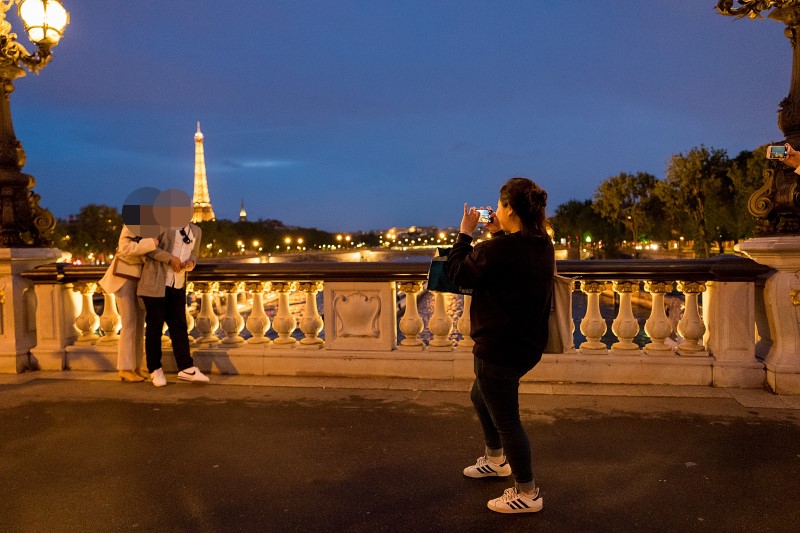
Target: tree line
702, 198
92, 236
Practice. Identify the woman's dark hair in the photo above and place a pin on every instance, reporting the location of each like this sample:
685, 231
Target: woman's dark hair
528, 201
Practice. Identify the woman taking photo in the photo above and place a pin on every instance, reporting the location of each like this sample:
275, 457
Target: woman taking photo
511, 277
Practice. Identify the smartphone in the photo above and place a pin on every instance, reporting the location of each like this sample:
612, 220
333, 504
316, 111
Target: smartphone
485, 216
776, 151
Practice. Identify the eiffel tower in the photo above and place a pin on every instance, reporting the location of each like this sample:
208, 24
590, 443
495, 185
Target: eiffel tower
203, 211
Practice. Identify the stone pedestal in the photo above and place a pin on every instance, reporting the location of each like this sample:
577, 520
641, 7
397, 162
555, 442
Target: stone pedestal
360, 316
18, 305
729, 311
782, 304
57, 308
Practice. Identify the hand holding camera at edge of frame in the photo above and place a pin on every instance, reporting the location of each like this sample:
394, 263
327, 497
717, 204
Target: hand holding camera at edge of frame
792, 158
494, 225
470, 220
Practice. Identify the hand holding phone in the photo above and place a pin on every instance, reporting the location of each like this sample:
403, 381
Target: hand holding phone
485, 216
777, 151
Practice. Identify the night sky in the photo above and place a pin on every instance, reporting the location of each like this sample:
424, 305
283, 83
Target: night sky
357, 115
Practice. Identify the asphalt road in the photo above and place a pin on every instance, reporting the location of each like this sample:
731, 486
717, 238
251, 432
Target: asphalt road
106, 456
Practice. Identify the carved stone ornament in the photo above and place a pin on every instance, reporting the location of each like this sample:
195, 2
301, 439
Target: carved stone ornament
593, 286
284, 286
693, 287
310, 286
256, 287
205, 287
409, 287
658, 286
357, 315
231, 287
795, 297
626, 286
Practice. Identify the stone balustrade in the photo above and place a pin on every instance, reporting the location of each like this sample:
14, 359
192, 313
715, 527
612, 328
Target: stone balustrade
720, 339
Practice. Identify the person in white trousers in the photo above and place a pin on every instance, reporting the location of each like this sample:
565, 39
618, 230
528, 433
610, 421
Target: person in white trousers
130, 354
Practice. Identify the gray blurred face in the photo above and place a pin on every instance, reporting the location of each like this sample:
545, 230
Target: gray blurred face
138, 213
173, 209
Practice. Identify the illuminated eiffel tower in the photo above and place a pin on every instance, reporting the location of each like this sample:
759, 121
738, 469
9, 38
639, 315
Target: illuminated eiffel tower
203, 211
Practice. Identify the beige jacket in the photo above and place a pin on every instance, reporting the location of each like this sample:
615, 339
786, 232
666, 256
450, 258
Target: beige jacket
154, 274
129, 248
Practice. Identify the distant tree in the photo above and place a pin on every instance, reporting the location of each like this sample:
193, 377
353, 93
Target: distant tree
222, 237
577, 218
219, 238
625, 198
697, 184
94, 230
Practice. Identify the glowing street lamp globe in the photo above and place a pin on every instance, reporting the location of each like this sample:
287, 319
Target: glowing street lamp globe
44, 20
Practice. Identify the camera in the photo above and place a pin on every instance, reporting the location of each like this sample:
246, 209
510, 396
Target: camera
485, 216
776, 151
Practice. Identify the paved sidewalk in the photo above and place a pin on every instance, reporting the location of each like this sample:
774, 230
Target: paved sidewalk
83, 452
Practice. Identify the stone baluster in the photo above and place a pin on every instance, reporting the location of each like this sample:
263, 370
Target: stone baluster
691, 326
284, 323
625, 326
465, 326
440, 324
593, 326
110, 320
411, 324
189, 317
231, 321
258, 322
88, 321
658, 325
311, 323
206, 322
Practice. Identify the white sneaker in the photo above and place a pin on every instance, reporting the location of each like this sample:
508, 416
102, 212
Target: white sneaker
514, 502
158, 378
486, 468
192, 374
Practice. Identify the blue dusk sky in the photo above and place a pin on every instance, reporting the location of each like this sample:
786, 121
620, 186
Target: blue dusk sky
356, 115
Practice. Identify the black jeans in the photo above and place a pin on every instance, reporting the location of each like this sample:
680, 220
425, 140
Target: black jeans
172, 310
495, 395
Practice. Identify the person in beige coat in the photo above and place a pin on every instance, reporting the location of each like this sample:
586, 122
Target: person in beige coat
130, 351
163, 291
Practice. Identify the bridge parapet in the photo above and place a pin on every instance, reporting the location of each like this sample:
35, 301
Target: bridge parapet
719, 339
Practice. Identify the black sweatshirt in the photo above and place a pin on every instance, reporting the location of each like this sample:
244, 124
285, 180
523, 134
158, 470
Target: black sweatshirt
512, 281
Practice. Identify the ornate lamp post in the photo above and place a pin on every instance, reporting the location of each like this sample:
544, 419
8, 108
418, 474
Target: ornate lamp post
22, 221
777, 203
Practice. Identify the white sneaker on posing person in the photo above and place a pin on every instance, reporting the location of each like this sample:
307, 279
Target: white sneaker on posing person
192, 374
158, 379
